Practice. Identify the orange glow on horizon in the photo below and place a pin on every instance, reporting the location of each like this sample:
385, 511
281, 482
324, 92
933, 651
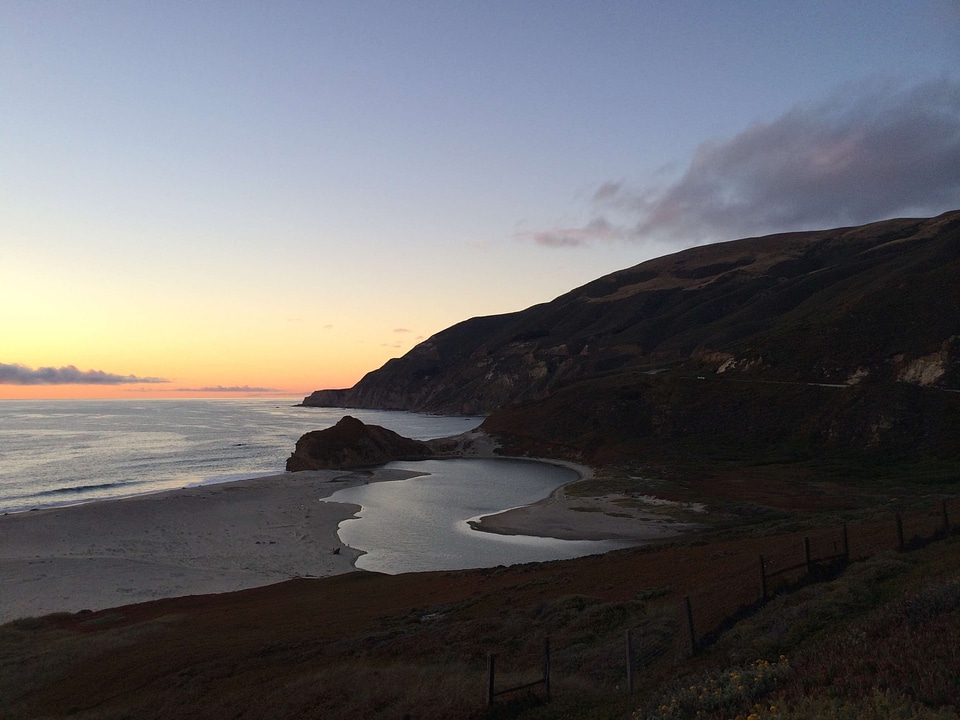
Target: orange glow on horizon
131, 392
174, 390
197, 351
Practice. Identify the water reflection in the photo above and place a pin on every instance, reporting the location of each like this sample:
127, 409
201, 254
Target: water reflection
421, 524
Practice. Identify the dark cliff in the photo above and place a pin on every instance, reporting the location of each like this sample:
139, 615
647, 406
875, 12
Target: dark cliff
766, 322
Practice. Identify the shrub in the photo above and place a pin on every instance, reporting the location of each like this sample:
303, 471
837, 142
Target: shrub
739, 691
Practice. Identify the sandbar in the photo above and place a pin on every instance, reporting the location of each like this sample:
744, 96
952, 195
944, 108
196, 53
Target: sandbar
579, 518
586, 518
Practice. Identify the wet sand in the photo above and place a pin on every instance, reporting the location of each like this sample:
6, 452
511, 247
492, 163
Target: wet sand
233, 536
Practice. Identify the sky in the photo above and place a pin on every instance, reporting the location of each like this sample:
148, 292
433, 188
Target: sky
219, 199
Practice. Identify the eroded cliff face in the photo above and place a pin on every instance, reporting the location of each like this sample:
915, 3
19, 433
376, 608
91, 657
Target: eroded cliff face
874, 305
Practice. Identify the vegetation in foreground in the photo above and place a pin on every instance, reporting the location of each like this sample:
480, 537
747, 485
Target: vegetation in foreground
877, 641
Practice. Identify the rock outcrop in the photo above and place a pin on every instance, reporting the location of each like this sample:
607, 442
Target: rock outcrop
352, 444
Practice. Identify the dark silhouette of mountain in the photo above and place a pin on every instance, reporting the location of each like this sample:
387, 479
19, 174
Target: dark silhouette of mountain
845, 339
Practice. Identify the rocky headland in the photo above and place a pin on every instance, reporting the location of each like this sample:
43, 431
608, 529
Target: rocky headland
352, 444
842, 342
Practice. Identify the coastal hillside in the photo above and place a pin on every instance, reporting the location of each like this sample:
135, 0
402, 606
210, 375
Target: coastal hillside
844, 339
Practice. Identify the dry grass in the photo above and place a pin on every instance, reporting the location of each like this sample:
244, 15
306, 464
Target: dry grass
880, 642
366, 645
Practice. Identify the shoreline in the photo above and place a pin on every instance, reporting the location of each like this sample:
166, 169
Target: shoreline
564, 518
223, 537
190, 541
580, 518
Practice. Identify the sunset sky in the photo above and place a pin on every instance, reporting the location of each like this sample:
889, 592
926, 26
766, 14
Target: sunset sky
222, 198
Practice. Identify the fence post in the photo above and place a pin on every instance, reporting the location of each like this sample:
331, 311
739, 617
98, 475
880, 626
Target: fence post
899, 531
946, 518
629, 645
763, 580
806, 554
689, 613
491, 664
846, 546
546, 666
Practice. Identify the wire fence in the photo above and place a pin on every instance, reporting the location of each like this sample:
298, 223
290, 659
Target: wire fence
816, 556
669, 633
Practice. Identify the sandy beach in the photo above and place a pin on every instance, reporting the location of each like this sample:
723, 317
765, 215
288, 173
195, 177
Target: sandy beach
233, 536
206, 539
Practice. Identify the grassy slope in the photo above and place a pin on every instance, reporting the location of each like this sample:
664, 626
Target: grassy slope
366, 645
716, 421
819, 307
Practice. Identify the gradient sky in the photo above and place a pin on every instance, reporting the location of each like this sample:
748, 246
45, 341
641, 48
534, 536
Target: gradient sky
220, 198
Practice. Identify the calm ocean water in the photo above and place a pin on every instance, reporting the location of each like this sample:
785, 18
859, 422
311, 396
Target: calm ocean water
66, 452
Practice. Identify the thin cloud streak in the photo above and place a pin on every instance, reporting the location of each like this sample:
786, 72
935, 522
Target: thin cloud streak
231, 389
853, 158
67, 375
598, 229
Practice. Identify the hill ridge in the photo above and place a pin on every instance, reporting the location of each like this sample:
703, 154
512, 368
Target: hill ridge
872, 305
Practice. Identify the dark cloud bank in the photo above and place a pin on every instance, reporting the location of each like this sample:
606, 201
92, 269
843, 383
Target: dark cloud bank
857, 157
69, 375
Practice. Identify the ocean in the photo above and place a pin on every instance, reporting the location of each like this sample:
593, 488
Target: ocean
66, 452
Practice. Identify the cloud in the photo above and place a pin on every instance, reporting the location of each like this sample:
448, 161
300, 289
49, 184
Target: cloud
857, 157
597, 229
402, 330
68, 375
234, 388
607, 191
